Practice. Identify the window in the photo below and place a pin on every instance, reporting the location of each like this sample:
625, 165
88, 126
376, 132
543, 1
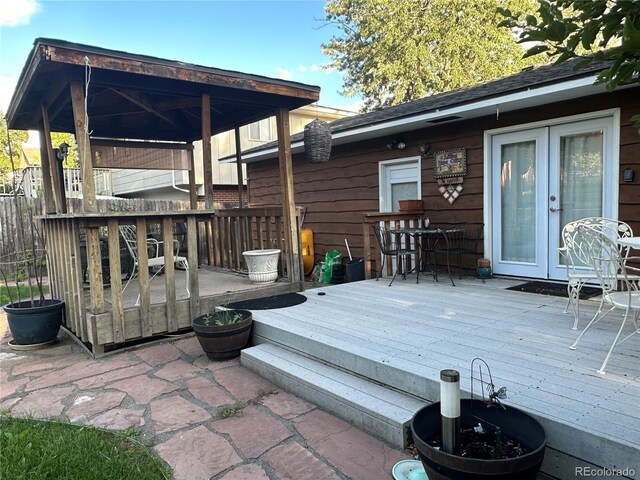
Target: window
399, 180
260, 131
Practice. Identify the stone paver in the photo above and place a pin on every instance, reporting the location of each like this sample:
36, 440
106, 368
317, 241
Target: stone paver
286, 405
197, 454
144, 389
249, 471
111, 376
86, 405
293, 462
175, 412
177, 370
45, 404
190, 346
357, 454
253, 432
205, 391
119, 419
176, 396
243, 383
158, 354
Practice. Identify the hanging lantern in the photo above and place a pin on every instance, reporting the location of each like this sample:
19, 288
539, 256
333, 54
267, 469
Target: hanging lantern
317, 141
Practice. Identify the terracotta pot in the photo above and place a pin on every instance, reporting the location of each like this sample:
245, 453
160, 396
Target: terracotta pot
484, 262
411, 205
223, 342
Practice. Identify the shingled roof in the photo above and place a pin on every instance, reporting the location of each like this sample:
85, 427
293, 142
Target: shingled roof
520, 82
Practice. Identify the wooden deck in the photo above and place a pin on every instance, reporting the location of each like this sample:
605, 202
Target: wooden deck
412, 331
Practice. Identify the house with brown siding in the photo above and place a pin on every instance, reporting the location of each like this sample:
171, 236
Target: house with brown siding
542, 147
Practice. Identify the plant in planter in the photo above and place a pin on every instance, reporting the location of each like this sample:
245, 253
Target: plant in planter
476, 438
33, 319
223, 333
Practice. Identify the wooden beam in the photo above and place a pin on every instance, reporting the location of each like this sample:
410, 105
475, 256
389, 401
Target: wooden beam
193, 193
49, 202
149, 67
52, 176
205, 116
84, 148
145, 103
291, 240
239, 168
103, 142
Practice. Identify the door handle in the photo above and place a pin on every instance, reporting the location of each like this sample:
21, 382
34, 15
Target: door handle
554, 209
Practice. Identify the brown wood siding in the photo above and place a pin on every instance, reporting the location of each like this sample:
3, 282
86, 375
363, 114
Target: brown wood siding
337, 193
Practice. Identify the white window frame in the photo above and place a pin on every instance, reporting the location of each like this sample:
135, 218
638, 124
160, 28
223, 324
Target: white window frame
264, 126
383, 168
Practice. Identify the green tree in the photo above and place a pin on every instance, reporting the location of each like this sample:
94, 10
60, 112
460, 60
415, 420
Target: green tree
395, 51
17, 139
564, 29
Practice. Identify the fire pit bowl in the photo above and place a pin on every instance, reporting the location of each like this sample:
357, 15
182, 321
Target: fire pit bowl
514, 423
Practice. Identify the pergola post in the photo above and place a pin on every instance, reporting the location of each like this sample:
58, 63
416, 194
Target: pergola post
89, 205
207, 168
193, 194
291, 239
50, 172
49, 204
239, 168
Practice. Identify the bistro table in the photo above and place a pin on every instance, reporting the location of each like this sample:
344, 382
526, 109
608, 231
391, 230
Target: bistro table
432, 235
631, 242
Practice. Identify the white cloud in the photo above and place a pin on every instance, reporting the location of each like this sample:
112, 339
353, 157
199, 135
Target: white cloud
7, 86
302, 68
315, 68
19, 13
284, 74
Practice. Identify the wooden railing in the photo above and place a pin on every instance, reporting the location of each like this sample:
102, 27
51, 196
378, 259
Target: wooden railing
389, 221
232, 232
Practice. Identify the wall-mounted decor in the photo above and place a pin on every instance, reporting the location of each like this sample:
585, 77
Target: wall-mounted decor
450, 163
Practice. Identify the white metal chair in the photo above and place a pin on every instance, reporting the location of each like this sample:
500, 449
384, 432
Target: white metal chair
576, 256
605, 258
156, 260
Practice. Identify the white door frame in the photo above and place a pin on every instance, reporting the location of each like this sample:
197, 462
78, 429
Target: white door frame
487, 150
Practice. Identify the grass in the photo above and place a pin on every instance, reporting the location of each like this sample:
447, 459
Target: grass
37, 450
24, 292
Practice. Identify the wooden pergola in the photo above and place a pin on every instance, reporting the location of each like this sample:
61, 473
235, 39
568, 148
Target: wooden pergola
114, 99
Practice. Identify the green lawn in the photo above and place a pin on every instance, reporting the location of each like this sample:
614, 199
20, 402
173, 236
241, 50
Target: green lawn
24, 292
37, 450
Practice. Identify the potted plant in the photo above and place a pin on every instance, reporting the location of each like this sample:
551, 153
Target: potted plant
33, 319
223, 333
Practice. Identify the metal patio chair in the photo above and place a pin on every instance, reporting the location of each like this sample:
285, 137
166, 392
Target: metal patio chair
156, 261
606, 259
576, 257
463, 239
391, 246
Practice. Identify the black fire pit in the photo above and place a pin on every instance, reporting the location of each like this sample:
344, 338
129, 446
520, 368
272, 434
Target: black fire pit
514, 424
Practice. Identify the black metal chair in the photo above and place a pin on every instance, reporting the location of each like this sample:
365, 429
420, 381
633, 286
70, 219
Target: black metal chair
391, 246
462, 239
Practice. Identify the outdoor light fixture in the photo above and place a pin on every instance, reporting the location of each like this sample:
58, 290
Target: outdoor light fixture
397, 144
450, 409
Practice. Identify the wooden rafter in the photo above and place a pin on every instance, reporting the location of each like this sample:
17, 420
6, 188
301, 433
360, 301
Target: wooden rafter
145, 103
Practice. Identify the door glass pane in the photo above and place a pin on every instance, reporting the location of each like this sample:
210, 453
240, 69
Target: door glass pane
402, 191
581, 176
518, 202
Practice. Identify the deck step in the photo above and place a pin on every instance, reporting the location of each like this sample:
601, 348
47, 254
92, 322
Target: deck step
377, 410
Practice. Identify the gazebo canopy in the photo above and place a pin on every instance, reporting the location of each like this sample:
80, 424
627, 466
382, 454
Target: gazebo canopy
142, 97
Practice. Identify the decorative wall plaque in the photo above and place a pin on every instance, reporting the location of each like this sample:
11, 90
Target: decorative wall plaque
450, 163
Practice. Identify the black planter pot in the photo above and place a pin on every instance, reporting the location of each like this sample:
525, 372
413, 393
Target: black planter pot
223, 342
34, 325
514, 423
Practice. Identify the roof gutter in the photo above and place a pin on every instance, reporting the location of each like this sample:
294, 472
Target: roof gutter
509, 102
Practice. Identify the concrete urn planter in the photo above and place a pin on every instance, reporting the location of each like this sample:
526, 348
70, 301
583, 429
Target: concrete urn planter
262, 265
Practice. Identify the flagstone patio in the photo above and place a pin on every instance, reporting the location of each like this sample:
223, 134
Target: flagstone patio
207, 420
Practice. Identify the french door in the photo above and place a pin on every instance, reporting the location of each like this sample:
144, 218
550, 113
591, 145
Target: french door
542, 179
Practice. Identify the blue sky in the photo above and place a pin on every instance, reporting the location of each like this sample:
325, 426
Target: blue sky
273, 38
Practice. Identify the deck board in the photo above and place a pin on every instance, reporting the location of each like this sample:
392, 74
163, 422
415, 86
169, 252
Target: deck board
423, 328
